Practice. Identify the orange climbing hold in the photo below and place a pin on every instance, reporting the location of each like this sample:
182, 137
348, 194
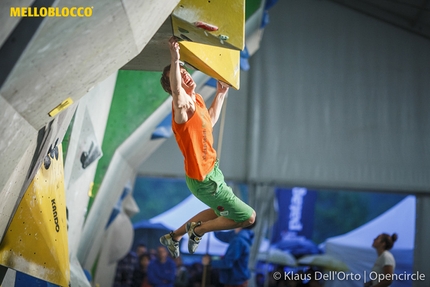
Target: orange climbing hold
206, 26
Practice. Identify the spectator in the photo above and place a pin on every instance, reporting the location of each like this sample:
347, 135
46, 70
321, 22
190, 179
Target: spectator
140, 274
124, 270
385, 263
127, 265
233, 266
162, 271
259, 280
195, 272
181, 279
141, 249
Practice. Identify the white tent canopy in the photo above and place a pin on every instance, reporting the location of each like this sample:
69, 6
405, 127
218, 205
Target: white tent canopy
355, 247
181, 213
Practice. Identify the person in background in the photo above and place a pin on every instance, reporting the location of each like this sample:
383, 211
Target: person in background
259, 280
385, 263
141, 249
195, 274
127, 265
162, 271
181, 279
153, 253
140, 274
233, 266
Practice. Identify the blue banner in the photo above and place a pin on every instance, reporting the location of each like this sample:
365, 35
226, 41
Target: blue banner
295, 213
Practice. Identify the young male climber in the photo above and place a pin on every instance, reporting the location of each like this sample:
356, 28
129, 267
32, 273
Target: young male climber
192, 125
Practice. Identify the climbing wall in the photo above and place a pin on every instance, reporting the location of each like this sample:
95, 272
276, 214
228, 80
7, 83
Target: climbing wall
35, 242
218, 23
212, 34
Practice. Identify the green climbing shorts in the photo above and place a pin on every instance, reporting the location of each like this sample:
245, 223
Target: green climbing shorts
215, 193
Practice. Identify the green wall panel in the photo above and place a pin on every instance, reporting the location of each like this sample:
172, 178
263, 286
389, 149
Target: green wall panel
136, 96
251, 6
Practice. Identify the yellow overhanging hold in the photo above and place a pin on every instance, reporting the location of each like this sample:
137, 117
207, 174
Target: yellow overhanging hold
220, 63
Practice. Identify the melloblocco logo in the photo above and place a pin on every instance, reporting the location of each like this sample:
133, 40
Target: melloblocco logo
51, 11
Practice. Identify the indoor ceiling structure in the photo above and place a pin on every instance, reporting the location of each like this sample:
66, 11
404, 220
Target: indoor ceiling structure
411, 15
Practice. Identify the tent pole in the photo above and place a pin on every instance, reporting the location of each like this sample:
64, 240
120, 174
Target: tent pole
205, 271
205, 267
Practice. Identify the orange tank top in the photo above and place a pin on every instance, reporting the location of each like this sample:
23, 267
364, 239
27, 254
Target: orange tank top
195, 141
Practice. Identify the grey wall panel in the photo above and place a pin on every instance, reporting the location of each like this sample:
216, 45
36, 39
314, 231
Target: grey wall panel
144, 28
67, 57
167, 160
8, 23
340, 101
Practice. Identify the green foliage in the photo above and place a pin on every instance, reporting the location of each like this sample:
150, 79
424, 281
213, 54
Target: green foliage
156, 195
338, 212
